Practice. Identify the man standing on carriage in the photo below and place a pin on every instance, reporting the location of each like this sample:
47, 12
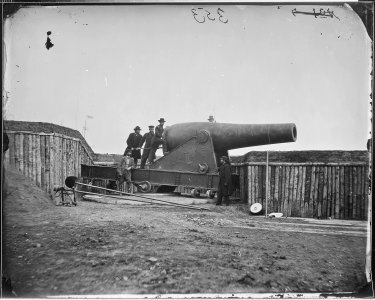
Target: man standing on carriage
133, 144
147, 137
157, 140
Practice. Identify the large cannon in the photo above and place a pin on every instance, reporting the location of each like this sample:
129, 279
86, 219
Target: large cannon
194, 150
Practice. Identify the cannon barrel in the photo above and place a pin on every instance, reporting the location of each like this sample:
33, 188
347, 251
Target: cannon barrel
227, 136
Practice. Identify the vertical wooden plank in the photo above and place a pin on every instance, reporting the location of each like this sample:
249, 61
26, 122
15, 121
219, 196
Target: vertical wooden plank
272, 189
262, 175
63, 161
342, 192
337, 193
78, 168
320, 191
33, 153
256, 182
282, 188
309, 191
316, 191
250, 187
242, 190
43, 162
60, 162
355, 191
249, 184
75, 167
291, 188
312, 193
276, 193
325, 188
333, 187
37, 159
48, 167
299, 191
303, 187
79, 159
20, 151
25, 155
351, 193
17, 147
365, 206
334, 191
286, 191
10, 152
33, 157
246, 182
54, 158
329, 192
296, 212
362, 193
346, 191
67, 159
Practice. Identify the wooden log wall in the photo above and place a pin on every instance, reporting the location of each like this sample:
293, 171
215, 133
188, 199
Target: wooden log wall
46, 159
308, 190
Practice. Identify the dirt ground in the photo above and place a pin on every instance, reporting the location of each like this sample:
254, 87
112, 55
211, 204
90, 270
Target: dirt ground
108, 248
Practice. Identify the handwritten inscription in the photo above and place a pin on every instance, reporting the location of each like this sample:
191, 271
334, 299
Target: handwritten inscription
321, 13
201, 15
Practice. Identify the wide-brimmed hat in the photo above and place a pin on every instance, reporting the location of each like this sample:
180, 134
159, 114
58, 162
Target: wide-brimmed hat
162, 120
137, 128
211, 118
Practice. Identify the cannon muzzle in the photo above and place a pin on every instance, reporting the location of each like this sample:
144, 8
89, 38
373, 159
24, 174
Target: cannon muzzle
227, 136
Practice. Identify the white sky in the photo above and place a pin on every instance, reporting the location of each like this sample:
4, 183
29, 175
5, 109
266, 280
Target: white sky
130, 65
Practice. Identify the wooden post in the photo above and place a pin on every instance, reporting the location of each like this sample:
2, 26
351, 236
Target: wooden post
267, 185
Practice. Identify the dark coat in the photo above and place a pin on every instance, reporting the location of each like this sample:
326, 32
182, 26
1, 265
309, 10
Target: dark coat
159, 131
133, 142
157, 139
147, 137
225, 179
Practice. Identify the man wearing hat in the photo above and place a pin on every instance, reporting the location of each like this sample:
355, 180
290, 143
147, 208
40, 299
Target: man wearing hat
124, 169
225, 182
211, 119
147, 137
133, 144
158, 140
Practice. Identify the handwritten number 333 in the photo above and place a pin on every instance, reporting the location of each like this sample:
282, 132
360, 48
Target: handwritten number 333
201, 18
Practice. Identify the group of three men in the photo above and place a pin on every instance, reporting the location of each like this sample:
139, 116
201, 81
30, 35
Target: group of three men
151, 141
